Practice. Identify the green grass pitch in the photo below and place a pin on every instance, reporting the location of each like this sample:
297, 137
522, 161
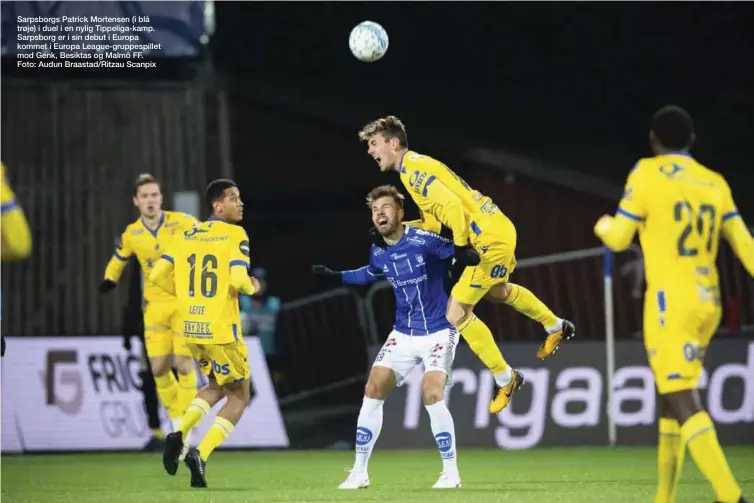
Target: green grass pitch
538, 476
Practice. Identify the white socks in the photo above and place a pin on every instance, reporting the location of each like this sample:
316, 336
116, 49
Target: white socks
444, 432
368, 429
505, 378
558, 326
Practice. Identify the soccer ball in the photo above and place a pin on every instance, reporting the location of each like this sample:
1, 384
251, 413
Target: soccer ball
368, 41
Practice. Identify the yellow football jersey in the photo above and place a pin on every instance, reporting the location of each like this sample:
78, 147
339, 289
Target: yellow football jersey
16, 236
209, 264
437, 190
681, 208
148, 245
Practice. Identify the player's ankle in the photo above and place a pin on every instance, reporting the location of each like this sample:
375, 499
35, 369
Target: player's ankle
504, 378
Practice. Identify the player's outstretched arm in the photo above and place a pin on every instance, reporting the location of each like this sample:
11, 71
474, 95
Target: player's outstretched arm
117, 263
16, 236
739, 237
616, 232
161, 274
361, 276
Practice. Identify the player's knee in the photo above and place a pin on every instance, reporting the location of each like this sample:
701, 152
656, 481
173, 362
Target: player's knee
375, 390
433, 387
458, 312
184, 365
500, 293
160, 365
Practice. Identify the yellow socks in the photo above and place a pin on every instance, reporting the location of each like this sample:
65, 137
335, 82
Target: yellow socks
698, 433
522, 300
481, 342
670, 453
186, 390
215, 436
167, 390
194, 413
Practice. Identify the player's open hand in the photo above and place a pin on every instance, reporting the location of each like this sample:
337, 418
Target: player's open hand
256, 284
377, 238
466, 255
322, 270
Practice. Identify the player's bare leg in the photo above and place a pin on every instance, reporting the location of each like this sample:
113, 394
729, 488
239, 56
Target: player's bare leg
443, 428
482, 343
698, 434
525, 302
369, 425
670, 453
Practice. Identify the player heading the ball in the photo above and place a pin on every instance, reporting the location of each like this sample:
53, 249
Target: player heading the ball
484, 238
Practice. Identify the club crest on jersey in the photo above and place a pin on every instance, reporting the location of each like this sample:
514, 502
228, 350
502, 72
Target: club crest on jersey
420, 259
670, 170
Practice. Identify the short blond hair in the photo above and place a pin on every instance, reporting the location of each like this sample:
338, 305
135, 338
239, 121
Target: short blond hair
390, 127
144, 179
385, 191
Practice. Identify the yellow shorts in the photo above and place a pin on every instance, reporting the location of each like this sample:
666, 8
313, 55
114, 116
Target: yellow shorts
227, 362
676, 336
163, 331
498, 262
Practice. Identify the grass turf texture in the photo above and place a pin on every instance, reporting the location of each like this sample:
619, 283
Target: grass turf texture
540, 475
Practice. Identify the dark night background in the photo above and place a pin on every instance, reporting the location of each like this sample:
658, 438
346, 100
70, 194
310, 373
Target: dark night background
573, 84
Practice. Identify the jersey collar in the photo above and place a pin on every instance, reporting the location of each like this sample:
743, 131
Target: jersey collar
213, 218
154, 231
403, 238
678, 152
401, 169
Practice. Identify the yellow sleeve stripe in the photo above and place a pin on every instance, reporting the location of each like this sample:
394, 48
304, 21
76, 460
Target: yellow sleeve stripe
168, 258
120, 257
240, 262
730, 215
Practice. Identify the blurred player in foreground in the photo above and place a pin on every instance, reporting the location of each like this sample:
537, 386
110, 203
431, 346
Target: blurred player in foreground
680, 209
146, 238
206, 268
413, 263
16, 236
484, 238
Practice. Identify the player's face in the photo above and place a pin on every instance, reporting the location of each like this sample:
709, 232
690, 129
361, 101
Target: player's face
230, 207
384, 151
386, 215
149, 200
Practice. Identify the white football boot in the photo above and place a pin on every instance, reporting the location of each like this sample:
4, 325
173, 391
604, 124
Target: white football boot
448, 481
355, 480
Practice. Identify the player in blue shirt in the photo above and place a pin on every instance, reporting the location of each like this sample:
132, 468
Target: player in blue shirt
412, 261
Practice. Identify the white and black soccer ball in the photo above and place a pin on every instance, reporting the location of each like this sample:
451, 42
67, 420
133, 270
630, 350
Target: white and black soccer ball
368, 41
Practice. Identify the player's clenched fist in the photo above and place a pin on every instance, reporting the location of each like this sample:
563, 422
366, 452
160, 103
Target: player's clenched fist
466, 255
603, 225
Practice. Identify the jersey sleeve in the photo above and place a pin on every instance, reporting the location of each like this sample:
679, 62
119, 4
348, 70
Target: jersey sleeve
633, 205
120, 257
240, 262
363, 275
434, 198
162, 274
16, 236
438, 245
735, 232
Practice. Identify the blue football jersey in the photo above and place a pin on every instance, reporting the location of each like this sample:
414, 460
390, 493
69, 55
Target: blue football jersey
414, 267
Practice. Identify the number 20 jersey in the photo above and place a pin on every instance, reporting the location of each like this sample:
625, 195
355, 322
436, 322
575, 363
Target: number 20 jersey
681, 207
202, 259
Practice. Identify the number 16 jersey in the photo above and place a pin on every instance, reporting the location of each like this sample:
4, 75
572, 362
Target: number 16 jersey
681, 207
206, 260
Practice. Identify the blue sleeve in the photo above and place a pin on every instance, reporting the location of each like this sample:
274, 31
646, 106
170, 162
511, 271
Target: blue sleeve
363, 275
439, 246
